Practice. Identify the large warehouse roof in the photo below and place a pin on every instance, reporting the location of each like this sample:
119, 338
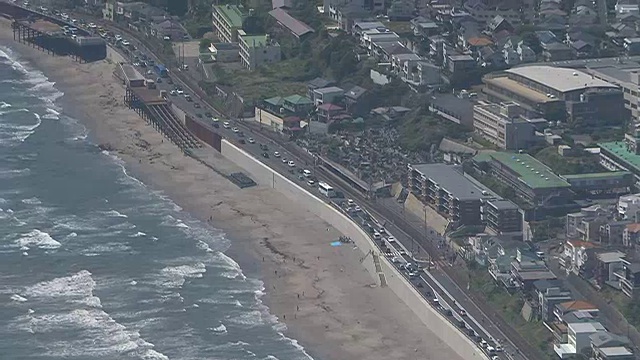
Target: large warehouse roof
560, 79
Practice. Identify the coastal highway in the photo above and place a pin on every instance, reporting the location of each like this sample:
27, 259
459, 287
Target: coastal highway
481, 315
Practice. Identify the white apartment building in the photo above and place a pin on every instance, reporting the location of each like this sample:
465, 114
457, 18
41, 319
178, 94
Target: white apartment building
503, 125
577, 338
628, 206
257, 50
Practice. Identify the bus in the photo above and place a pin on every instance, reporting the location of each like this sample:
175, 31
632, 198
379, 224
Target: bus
161, 70
325, 189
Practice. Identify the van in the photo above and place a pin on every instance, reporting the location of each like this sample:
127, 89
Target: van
306, 173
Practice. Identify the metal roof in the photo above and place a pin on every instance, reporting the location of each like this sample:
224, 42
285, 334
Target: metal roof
560, 79
449, 178
297, 27
531, 172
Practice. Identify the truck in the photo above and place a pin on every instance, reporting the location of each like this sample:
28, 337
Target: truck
161, 70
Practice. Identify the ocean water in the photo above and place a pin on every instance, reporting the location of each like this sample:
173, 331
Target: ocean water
94, 265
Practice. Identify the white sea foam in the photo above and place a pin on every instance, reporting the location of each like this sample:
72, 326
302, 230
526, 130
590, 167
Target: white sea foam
231, 268
113, 213
18, 298
37, 238
175, 276
14, 173
51, 114
221, 329
31, 201
138, 234
12, 111
4, 105
101, 336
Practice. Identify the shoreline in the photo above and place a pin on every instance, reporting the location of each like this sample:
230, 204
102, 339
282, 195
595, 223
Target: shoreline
325, 297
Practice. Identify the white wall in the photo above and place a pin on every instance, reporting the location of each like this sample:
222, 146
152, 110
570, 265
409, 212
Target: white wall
433, 319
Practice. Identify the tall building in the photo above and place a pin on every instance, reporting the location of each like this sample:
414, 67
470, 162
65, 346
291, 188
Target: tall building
504, 125
559, 94
227, 20
623, 155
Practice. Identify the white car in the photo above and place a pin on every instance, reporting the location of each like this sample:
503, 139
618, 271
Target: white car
391, 239
350, 202
276, 154
284, 160
180, 91
226, 125
395, 260
402, 252
251, 141
215, 120
125, 43
92, 26
357, 209
291, 164
235, 130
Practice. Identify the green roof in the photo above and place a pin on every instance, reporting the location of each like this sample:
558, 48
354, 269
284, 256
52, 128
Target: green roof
532, 172
619, 150
275, 101
255, 40
233, 13
298, 100
600, 175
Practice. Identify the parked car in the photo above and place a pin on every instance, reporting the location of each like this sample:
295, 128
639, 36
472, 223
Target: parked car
251, 141
226, 125
265, 155
276, 154
291, 164
235, 130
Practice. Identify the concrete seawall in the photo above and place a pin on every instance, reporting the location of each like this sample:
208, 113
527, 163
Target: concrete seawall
382, 271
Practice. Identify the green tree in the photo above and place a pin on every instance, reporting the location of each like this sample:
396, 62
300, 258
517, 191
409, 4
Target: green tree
204, 44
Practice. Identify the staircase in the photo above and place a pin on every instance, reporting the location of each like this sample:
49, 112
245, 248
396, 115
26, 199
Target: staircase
173, 128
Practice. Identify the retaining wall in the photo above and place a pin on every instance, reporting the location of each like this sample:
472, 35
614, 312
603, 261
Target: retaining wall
432, 318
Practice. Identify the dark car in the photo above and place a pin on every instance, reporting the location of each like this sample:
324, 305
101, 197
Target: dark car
264, 147
242, 141
265, 155
169, 81
208, 114
199, 115
216, 125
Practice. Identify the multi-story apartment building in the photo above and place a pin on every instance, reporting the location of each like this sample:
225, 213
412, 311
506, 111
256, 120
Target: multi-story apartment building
629, 277
486, 10
502, 216
227, 20
448, 191
503, 125
532, 181
559, 94
257, 50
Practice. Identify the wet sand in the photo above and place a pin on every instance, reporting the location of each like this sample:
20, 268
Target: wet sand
328, 301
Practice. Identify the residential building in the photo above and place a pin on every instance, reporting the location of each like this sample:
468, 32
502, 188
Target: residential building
297, 105
631, 46
608, 264
282, 114
401, 10
331, 94
425, 74
168, 30
614, 353
257, 50
453, 108
578, 338
503, 125
353, 97
404, 64
631, 235
327, 112
282, 4
456, 63
448, 191
227, 20
486, 10
501, 216
579, 257
585, 224
565, 308
532, 181
317, 83
334, 7
527, 268
607, 340
549, 294
557, 94
424, 27
293, 26
225, 52
629, 277
613, 183
628, 206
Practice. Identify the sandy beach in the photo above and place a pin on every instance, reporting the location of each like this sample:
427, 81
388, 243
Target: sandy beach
328, 301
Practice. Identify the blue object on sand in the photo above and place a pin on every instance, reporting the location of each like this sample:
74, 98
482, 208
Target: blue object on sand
336, 243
